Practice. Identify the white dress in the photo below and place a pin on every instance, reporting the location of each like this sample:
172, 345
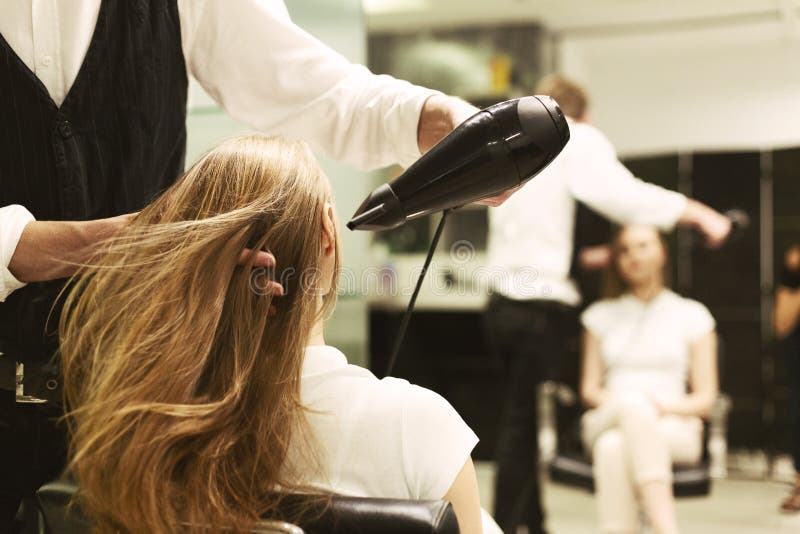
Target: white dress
645, 345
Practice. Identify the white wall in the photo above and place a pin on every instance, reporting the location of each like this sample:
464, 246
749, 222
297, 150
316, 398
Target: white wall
702, 88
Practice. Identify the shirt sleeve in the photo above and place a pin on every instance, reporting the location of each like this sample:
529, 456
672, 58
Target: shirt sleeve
597, 178
270, 74
13, 220
698, 320
593, 317
436, 443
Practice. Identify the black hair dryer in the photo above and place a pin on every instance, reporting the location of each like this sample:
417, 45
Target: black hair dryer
496, 149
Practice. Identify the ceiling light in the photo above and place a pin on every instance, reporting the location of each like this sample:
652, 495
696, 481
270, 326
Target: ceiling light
394, 6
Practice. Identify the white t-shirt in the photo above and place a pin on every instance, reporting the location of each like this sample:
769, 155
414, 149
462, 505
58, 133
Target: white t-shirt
645, 345
377, 438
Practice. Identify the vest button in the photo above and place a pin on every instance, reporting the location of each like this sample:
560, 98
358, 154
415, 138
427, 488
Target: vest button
65, 129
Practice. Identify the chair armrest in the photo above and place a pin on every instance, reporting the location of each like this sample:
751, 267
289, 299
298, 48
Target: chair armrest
717, 444
551, 394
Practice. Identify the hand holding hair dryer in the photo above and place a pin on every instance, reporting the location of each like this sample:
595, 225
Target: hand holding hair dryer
496, 149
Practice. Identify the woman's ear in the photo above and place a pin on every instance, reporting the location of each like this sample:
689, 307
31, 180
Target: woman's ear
328, 230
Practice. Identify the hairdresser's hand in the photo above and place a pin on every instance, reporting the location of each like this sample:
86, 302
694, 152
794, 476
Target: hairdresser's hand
48, 250
715, 227
594, 258
263, 258
792, 259
441, 115
259, 281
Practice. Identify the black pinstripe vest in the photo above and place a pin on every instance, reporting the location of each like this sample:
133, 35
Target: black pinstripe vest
117, 140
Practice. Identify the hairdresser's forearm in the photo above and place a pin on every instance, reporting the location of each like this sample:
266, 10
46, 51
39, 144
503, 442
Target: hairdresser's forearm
695, 214
48, 250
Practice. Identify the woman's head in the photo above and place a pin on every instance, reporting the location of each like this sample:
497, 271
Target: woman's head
638, 259
184, 388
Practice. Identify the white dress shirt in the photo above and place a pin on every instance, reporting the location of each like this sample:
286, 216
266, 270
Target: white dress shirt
261, 68
376, 438
531, 234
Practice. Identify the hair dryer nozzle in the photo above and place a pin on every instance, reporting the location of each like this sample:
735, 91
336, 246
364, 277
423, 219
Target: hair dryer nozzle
378, 211
496, 149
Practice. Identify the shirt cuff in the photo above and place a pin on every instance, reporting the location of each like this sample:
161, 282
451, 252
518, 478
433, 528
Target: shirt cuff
13, 220
402, 122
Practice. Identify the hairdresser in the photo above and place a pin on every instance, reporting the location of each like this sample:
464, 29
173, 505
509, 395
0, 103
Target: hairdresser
93, 128
530, 247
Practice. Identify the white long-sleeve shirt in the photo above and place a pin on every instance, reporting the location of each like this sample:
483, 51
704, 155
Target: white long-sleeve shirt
249, 56
531, 234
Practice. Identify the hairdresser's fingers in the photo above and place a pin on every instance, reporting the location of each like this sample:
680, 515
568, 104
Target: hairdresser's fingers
264, 287
594, 258
792, 258
716, 231
275, 289
498, 199
263, 259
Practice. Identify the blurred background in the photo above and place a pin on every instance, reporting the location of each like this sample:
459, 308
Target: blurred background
702, 97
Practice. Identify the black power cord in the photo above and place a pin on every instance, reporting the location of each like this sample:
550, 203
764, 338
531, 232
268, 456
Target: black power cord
398, 341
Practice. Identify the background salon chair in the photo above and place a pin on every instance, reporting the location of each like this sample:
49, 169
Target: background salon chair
342, 515
568, 463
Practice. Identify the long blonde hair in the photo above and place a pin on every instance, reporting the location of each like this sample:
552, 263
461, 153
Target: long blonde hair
182, 388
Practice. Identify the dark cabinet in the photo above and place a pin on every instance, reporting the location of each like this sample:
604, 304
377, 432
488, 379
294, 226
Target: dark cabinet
445, 351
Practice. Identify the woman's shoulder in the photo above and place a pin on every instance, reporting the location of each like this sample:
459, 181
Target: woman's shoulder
606, 304
686, 305
601, 313
331, 383
695, 316
391, 420
410, 402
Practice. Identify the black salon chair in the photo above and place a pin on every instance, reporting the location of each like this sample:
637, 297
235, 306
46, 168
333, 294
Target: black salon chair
569, 464
572, 466
342, 515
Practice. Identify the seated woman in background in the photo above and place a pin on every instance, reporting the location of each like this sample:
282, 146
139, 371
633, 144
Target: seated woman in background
640, 346
194, 395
